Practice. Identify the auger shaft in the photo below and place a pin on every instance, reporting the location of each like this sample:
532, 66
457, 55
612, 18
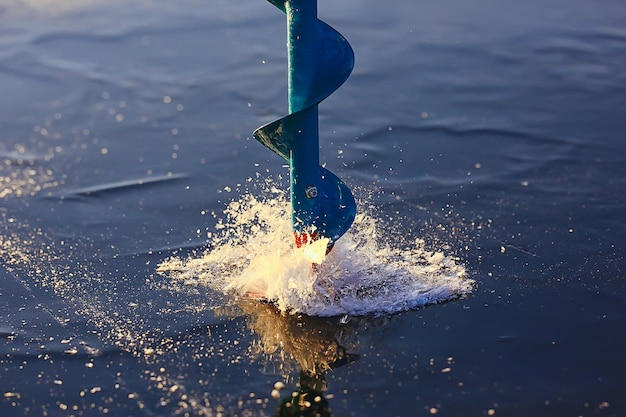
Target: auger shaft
303, 128
319, 60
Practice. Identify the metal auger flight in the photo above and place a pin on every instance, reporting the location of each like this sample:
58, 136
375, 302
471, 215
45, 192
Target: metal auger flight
319, 62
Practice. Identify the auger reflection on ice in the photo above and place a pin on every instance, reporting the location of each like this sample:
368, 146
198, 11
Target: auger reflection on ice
319, 61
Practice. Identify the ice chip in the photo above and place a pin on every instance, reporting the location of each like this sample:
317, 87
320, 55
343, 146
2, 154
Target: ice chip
316, 250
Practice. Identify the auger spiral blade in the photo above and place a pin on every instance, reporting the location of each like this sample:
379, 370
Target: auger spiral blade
319, 60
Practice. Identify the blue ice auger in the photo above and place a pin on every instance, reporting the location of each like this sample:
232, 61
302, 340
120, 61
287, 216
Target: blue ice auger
319, 61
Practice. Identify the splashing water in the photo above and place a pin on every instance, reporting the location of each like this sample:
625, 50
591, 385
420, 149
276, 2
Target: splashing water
363, 274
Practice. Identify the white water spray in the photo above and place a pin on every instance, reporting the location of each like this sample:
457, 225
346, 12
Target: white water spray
364, 274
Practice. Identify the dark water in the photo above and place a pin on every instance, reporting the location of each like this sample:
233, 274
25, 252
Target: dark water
494, 130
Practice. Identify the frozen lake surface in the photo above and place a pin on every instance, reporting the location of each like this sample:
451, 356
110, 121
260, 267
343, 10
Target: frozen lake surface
485, 145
